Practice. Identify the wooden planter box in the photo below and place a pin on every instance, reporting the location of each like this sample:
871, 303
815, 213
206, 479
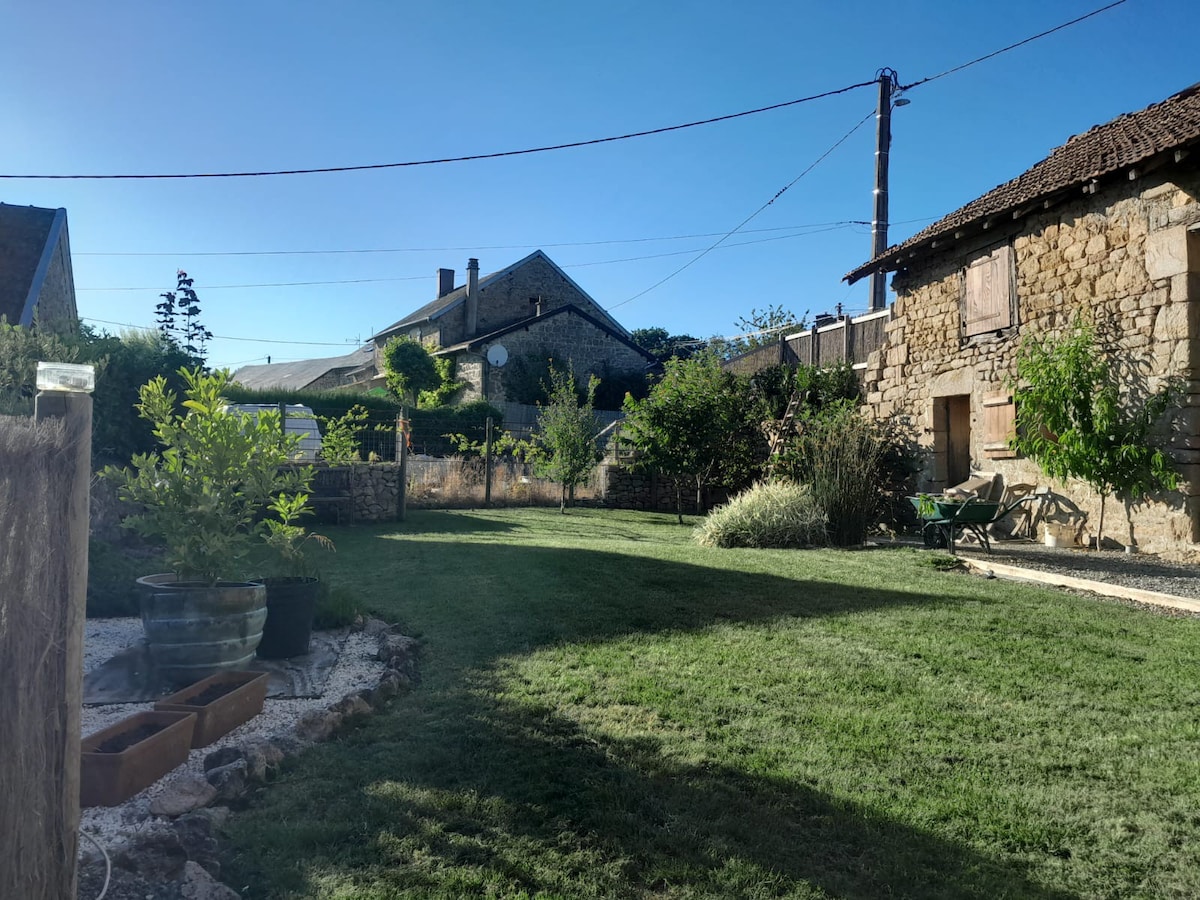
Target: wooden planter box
241, 700
111, 776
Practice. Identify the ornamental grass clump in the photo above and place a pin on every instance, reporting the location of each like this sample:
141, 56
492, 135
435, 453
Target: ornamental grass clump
773, 514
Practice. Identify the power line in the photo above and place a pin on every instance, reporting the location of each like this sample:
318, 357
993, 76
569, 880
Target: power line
226, 337
602, 262
1027, 40
738, 227
452, 159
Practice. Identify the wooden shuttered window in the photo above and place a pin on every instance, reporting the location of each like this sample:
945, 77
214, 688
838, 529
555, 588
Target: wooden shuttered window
999, 425
988, 293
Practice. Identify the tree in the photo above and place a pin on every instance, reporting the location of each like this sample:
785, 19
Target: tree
762, 327
1072, 422
409, 368
20, 351
565, 440
178, 317
683, 428
664, 346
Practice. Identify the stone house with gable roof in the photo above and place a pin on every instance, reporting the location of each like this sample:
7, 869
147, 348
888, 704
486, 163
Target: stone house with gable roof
1107, 226
530, 308
37, 285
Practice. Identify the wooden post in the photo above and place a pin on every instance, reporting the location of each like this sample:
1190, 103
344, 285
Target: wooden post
487, 463
76, 409
402, 458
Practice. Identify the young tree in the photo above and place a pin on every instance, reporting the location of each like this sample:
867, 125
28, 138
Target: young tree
684, 427
663, 345
179, 318
566, 433
409, 368
1072, 422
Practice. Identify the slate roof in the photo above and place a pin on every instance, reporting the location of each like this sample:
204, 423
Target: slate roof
26, 239
1125, 142
570, 308
300, 374
442, 305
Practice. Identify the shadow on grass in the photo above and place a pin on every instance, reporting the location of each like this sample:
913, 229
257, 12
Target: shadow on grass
458, 791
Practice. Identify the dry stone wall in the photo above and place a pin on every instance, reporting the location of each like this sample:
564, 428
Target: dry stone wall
1127, 263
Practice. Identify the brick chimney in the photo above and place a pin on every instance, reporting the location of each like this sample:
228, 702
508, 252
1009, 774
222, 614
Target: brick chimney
445, 281
472, 298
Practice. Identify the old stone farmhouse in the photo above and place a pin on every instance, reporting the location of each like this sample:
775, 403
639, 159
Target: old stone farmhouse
36, 282
1107, 226
528, 309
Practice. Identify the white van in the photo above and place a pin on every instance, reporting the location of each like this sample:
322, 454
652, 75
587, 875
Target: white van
300, 420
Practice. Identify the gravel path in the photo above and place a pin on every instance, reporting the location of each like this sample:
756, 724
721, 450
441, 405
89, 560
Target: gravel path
356, 668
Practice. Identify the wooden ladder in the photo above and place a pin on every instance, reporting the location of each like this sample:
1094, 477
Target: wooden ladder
783, 427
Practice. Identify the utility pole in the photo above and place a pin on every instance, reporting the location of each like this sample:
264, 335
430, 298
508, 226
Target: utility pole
888, 81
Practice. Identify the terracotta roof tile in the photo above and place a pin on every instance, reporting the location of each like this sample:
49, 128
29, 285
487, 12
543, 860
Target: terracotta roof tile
1125, 141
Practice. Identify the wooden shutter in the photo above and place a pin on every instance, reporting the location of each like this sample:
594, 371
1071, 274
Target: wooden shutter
999, 424
987, 293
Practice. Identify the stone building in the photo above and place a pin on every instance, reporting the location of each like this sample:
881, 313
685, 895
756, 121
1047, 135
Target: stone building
1107, 227
529, 309
36, 282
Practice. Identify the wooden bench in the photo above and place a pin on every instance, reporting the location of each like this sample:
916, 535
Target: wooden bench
330, 499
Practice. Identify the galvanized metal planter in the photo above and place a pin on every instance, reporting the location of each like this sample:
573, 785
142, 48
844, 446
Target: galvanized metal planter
196, 629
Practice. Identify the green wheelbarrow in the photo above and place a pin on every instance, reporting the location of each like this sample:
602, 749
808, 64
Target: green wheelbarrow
946, 520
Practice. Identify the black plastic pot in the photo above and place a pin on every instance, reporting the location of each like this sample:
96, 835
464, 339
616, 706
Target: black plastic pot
291, 605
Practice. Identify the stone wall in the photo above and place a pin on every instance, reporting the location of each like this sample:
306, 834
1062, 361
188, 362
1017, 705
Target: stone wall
1124, 260
375, 492
620, 487
565, 336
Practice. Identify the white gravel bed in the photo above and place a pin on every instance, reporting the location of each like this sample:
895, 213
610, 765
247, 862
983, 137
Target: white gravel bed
356, 668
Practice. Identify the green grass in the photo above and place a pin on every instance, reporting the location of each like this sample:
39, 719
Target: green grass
611, 711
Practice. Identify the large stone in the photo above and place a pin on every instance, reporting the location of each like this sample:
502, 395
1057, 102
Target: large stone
1167, 252
182, 795
197, 884
229, 780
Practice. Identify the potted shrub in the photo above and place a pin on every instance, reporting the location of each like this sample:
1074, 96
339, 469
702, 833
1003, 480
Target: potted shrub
206, 495
292, 590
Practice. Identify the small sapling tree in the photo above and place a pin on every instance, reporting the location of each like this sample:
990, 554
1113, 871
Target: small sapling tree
1073, 421
565, 442
409, 369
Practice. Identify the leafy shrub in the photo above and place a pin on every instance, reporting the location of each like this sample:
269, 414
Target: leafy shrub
112, 571
772, 514
842, 456
337, 607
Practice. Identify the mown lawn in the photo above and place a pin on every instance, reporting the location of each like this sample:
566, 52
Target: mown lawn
610, 711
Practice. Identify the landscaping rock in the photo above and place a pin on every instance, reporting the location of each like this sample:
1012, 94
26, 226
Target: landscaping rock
396, 647
373, 627
229, 780
317, 725
350, 706
195, 833
158, 855
182, 795
223, 757
199, 885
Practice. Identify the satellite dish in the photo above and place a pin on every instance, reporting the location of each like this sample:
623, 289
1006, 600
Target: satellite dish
497, 355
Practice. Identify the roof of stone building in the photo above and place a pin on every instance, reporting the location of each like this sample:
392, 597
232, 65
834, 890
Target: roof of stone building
569, 308
442, 305
24, 232
300, 374
1125, 142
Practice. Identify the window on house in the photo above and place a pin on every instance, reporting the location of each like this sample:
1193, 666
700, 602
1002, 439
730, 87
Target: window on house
988, 294
999, 424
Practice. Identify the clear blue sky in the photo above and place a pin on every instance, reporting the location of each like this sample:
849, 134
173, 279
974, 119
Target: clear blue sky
142, 86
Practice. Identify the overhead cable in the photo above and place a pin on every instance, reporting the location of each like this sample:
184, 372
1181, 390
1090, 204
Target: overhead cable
1028, 40
779, 193
453, 159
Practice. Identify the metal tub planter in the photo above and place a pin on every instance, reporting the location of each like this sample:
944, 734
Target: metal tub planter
195, 630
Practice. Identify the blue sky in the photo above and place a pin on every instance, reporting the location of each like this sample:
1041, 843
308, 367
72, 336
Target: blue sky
153, 87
